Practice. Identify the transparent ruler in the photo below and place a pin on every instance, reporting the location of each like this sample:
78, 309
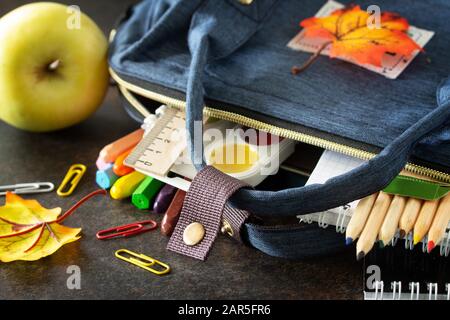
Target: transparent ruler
161, 147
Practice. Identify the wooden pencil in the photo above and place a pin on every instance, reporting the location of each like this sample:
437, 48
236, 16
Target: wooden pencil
440, 223
359, 218
425, 219
390, 223
409, 216
371, 229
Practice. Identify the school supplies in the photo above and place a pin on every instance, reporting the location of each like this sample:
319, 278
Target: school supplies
102, 165
424, 220
127, 230
106, 178
164, 198
247, 155
119, 168
369, 234
143, 196
173, 213
393, 273
400, 219
143, 261
110, 152
27, 188
409, 216
71, 180
125, 186
390, 223
440, 223
162, 146
359, 218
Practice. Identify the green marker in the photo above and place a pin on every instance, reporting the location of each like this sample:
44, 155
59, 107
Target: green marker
143, 196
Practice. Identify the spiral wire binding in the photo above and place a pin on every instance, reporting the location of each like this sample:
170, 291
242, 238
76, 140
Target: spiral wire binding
414, 287
396, 287
447, 286
432, 287
379, 290
340, 221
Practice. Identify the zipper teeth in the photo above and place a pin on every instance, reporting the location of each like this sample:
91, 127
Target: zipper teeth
285, 133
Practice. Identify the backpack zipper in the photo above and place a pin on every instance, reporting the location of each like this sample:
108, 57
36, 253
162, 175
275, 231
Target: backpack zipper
259, 125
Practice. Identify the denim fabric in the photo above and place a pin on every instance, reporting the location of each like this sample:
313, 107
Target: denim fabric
332, 96
229, 53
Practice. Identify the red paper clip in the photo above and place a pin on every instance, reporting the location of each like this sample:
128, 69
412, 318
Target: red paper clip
127, 230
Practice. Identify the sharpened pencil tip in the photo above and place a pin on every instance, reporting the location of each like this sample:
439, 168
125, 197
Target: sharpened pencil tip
402, 233
431, 245
381, 244
348, 241
360, 255
417, 239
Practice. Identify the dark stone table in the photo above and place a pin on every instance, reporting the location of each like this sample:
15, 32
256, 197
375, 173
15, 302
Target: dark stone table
232, 271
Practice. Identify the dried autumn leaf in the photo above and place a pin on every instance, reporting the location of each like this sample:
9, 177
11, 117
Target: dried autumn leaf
348, 33
29, 231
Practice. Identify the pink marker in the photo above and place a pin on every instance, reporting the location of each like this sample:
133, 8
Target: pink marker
102, 165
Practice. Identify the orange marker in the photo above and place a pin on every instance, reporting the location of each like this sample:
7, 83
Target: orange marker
120, 168
110, 152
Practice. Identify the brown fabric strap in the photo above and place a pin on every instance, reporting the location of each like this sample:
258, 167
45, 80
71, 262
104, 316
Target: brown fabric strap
204, 203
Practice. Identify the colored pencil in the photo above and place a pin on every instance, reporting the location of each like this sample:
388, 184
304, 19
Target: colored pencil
425, 219
390, 223
440, 223
359, 218
371, 229
409, 216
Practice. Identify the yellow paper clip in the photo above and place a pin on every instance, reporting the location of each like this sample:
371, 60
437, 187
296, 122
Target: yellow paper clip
72, 178
143, 261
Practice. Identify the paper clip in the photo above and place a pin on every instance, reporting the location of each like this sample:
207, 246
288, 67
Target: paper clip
143, 261
27, 188
127, 230
72, 178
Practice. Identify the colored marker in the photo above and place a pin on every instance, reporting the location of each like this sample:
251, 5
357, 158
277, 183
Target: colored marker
125, 186
164, 198
110, 152
120, 168
143, 196
173, 213
102, 165
106, 178
440, 223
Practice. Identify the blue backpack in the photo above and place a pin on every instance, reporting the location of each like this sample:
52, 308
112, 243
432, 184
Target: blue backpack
232, 56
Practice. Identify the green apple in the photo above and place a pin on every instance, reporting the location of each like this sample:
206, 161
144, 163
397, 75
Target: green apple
53, 67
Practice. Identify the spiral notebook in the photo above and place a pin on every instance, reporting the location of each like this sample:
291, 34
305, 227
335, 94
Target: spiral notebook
392, 273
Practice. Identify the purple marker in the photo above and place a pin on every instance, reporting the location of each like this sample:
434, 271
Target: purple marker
164, 198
